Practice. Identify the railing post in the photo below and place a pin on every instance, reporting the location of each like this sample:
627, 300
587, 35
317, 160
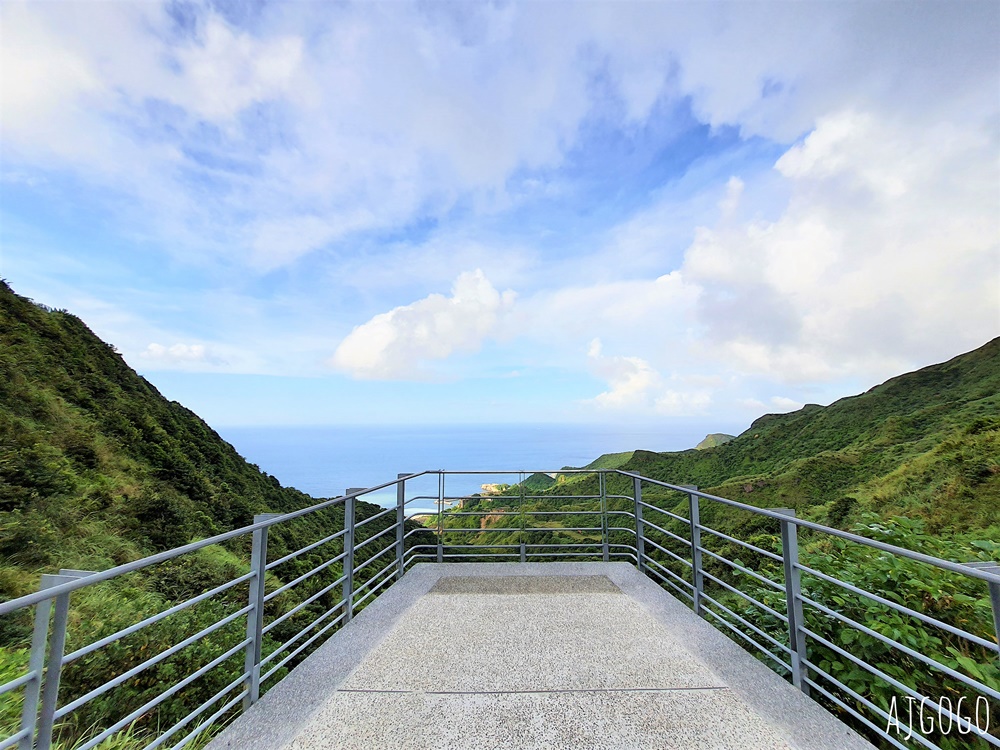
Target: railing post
640, 532
995, 601
994, 568
606, 547
57, 649
350, 505
793, 599
696, 566
440, 529
520, 518
400, 523
255, 617
36, 665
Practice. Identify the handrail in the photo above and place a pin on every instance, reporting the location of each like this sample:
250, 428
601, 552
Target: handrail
362, 565
66, 588
890, 548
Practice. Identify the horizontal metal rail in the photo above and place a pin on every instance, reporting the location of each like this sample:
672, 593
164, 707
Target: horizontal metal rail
119, 570
107, 640
171, 691
676, 517
902, 609
672, 535
746, 623
934, 664
304, 577
745, 545
878, 729
307, 548
302, 605
742, 569
723, 621
152, 661
650, 561
744, 595
171, 731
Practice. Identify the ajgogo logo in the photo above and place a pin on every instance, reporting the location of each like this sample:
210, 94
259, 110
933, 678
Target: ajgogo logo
932, 716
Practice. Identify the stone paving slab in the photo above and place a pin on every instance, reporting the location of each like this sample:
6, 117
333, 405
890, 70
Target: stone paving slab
499, 586
516, 642
418, 669
674, 720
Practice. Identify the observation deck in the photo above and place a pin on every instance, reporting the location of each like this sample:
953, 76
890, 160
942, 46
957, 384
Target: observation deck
554, 618
533, 655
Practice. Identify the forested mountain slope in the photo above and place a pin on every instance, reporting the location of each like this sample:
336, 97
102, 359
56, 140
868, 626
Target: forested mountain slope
925, 444
96, 467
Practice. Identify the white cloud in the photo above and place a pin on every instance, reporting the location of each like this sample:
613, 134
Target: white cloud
871, 247
887, 254
784, 404
396, 345
629, 311
176, 353
631, 380
223, 71
362, 117
279, 242
682, 403
636, 386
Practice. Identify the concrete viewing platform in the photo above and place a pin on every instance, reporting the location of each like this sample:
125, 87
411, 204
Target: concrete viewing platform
532, 655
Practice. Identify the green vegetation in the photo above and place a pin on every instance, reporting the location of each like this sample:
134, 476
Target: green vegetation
713, 440
538, 482
607, 461
98, 469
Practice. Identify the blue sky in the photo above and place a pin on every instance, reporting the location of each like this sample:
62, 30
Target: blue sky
318, 213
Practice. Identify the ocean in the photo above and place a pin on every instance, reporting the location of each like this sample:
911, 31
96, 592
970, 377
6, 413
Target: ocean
325, 461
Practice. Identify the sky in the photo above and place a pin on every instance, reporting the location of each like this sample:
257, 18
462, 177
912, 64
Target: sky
308, 213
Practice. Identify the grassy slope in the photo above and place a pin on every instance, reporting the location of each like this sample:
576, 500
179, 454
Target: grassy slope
714, 440
607, 461
96, 467
924, 444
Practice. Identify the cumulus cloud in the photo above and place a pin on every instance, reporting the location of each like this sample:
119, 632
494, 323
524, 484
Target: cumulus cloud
179, 356
784, 404
396, 345
635, 385
631, 380
181, 352
221, 70
886, 230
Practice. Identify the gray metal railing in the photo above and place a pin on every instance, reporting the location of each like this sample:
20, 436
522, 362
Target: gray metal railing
775, 604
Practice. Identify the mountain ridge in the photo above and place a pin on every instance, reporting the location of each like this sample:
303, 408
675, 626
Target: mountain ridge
920, 443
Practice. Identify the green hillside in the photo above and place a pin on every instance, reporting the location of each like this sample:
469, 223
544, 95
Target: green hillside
925, 445
713, 440
97, 469
607, 461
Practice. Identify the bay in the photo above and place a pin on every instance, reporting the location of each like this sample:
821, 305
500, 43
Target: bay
325, 461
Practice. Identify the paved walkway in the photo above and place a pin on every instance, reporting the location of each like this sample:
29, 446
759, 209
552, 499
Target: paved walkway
536, 655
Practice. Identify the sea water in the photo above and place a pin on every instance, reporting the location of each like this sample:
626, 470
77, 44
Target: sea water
325, 461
